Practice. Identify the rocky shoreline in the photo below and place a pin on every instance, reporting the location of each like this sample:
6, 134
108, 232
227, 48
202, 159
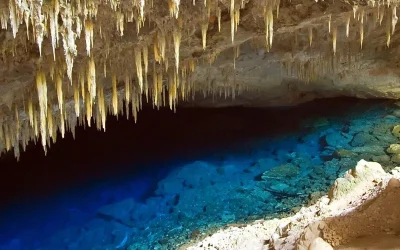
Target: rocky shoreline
362, 204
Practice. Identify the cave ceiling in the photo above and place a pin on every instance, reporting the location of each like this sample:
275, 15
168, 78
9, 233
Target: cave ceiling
70, 62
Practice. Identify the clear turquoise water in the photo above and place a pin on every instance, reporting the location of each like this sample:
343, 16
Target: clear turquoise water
276, 164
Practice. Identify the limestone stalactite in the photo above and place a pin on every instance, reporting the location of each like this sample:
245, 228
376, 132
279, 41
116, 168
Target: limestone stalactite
68, 60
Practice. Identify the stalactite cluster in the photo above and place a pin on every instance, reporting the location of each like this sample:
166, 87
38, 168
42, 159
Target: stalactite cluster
68, 60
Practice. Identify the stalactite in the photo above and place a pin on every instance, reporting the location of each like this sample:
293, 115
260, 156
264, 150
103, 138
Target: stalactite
232, 14
237, 18
69, 36
82, 84
139, 71
334, 36
394, 19
204, 28
38, 22
45, 21
174, 7
362, 29
329, 23
114, 94
89, 110
105, 69
388, 32
120, 23
219, 18
88, 35
54, 27
91, 79
76, 99
50, 125
127, 88
42, 95
78, 27
269, 26
59, 91
157, 56
13, 18
155, 88
177, 43
141, 4
146, 70
30, 112
102, 107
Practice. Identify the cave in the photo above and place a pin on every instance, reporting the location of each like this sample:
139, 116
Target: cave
215, 124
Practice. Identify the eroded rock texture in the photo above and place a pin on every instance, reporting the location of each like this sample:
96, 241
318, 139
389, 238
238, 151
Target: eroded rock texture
65, 62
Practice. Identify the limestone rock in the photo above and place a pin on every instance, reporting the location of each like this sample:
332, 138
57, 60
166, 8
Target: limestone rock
395, 158
336, 139
368, 218
382, 159
396, 131
281, 172
393, 149
364, 173
344, 153
363, 139
370, 150
320, 244
286, 73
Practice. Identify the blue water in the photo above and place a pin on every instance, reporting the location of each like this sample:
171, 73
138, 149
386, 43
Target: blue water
166, 204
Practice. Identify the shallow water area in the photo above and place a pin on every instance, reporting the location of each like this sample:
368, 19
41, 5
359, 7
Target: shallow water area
171, 177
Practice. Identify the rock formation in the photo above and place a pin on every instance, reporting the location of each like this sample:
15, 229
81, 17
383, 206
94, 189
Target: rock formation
361, 212
66, 62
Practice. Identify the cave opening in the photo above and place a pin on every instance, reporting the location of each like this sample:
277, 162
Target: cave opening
173, 175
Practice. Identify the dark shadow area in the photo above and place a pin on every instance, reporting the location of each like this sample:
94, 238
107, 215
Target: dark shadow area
134, 157
159, 137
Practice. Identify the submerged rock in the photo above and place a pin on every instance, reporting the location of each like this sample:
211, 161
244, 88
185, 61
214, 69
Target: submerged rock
395, 158
382, 159
365, 210
344, 153
396, 131
370, 150
281, 172
363, 139
393, 149
336, 139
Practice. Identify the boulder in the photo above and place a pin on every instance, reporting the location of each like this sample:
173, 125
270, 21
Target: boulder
344, 153
281, 172
396, 131
382, 159
393, 149
395, 158
319, 244
336, 139
362, 139
364, 174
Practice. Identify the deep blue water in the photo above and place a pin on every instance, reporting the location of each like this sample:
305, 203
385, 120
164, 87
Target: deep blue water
151, 185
